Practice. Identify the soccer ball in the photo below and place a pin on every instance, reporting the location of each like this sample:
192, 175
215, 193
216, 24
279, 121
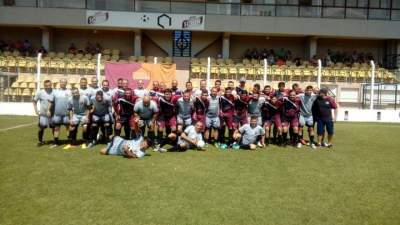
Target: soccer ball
201, 144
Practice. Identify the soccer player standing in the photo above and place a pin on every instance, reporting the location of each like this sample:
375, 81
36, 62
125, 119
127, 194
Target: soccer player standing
306, 118
100, 117
146, 112
60, 117
322, 108
185, 110
44, 97
212, 117
124, 113
227, 112
290, 117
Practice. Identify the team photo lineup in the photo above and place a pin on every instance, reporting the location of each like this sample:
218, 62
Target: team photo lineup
132, 120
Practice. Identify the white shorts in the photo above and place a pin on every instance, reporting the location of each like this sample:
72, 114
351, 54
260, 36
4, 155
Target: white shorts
60, 120
185, 122
101, 119
79, 119
45, 121
143, 123
306, 120
213, 122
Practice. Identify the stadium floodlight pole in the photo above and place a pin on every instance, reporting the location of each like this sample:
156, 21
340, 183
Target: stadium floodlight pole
38, 71
98, 67
319, 74
208, 72
265, 71
155, 60
371, 106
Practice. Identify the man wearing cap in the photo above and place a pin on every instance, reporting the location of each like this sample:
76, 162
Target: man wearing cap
242, 86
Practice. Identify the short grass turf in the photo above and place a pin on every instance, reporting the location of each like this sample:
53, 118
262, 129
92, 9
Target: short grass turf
358, 182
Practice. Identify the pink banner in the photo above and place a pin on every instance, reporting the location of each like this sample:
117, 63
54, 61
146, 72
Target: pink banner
139, 71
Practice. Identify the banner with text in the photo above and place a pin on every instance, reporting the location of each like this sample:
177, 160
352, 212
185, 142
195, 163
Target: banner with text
145, 20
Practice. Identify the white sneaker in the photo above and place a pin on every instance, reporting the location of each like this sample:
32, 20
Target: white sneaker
299, 145
313, 146
162, 150
259, 145
324, 144
156, 148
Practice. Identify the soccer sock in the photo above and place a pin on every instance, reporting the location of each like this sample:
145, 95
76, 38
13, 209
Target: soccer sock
117, 132
56, 141
311, 139
231, 131
108, 133
284, 136
40, 135
73, 135
94, 132
85, 135
150, 135
295, 138
128, 132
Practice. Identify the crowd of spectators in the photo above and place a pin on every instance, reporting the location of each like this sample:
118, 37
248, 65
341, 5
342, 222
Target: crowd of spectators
90, 48
282, 56
23, 47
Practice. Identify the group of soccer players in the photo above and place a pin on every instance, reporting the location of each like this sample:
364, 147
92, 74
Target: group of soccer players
230, 117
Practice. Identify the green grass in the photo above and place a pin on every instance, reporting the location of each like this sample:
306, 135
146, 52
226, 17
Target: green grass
358, 182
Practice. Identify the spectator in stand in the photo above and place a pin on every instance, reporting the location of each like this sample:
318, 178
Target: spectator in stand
3, 45
72, 49
89, 48
288, 56
26, 48
254, 54
98, 48
280, 62
264, 54
314, 60
247, 54
42, 50
271, 59
280, 53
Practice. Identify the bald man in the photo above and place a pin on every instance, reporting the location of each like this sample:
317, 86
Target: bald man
146, 111
94, 86
140, 91
174, 88
60, 104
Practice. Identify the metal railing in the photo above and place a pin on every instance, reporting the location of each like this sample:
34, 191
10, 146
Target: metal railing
324, 8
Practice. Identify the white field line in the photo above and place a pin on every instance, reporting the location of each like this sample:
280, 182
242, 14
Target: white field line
18, 126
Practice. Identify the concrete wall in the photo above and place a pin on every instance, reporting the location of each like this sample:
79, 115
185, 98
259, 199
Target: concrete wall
33, 34
150, 48
122, 40
304, 26
239, 44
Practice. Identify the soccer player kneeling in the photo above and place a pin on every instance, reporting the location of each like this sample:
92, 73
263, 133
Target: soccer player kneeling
135, 148
249, 134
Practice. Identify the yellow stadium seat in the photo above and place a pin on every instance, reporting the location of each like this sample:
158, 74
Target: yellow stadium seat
51, 54
60, 55
142, 59
150, 59
106, 52
115, 52
223, 71
168, 60
132, 59
194, 61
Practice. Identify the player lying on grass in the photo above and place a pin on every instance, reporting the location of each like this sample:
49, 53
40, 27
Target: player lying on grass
135, 148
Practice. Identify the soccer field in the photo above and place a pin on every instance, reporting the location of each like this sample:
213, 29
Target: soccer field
357, 182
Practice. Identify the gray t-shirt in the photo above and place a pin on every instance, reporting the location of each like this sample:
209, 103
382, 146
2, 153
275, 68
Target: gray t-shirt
146, 113
78, 105
250, 134
44, 98
93, 90
213, 107
61, 97
101, 108
141, 92
254, 107
87, 92
307, 102
184, 108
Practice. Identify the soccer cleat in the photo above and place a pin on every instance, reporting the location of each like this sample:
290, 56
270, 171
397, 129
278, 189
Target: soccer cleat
299, 145
90, 145
324, 144
162, 150
68, 146
259, 145
235, 146
329, 145
312, 145
223, 146
156, 148
217, 145
83, 146
54, 146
